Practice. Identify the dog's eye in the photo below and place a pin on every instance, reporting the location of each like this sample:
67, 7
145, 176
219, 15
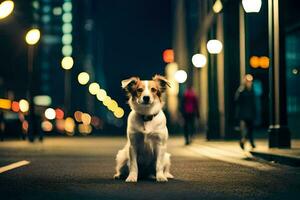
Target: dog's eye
139, 90
153, 90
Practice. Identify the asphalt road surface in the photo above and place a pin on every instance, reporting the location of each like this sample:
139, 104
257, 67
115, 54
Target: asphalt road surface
82, 168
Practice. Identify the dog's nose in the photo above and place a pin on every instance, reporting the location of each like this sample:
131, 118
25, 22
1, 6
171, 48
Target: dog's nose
146, 99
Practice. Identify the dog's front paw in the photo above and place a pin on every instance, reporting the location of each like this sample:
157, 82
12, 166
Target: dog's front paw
132, 177
117, 176
168, 175
160, 177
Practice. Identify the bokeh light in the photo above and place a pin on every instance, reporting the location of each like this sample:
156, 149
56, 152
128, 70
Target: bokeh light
46, 126
264, 62
67, 6
42, 100
67, 39
94, 88
50, 113
57, 11
67, 62
85, 129
86, 118
168, 55
33, 36
214, 46
67, 50
254, 61
106, 100
6, 8
59, 113
101, 95
199, 60
67, 28
77, 116
180, 76
112, 105
69, 125
15, 106
5, 103
83, 78
218, 6
25, 126
251, 6
24, 105
119, 112
67, 17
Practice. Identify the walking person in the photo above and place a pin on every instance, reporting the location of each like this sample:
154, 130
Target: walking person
246, 110
190, 112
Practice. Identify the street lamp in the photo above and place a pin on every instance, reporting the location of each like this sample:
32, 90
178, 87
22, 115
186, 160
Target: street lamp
180, 76
32, 37
251, 6
218, 6
199, 60
6, 8
214, 46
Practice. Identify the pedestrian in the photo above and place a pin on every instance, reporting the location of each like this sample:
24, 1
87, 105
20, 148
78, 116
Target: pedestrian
190, 113
246, 110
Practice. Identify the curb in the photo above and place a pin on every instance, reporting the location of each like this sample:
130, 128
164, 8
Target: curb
282, 159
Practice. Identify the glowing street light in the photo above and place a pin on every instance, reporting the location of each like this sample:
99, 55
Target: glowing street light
199, 60
32, 36
67, 62
6, 8
180, 76
214, 46
251, 6
218, 6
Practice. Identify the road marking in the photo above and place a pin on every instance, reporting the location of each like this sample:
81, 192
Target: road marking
13, 166
229, 157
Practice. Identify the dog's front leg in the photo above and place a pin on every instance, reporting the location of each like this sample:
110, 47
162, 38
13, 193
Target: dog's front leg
161, 150
133, 168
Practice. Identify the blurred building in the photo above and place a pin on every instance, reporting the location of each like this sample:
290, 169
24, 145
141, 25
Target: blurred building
68, 30
243, 35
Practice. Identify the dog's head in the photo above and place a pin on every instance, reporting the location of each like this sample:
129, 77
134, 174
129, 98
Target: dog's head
145, 95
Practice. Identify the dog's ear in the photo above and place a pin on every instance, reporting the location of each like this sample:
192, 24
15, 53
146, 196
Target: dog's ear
162, 82
128, 84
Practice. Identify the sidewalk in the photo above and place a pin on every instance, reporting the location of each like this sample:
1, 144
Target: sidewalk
262, 151
284, 156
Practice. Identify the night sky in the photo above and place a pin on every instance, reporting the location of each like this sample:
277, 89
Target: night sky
134, 35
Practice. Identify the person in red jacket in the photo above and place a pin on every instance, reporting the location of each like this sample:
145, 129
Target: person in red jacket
190, 112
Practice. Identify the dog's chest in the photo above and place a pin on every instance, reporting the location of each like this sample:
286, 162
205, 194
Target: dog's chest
150, 126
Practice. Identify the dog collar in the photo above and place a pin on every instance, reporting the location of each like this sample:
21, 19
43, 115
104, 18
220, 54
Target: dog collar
147, 118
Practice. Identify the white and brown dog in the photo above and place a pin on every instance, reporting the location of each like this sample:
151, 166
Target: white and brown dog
145, 153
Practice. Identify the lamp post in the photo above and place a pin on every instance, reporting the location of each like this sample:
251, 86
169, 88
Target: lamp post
32, 37
279, 134
214, 47
67, 64
248, 6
